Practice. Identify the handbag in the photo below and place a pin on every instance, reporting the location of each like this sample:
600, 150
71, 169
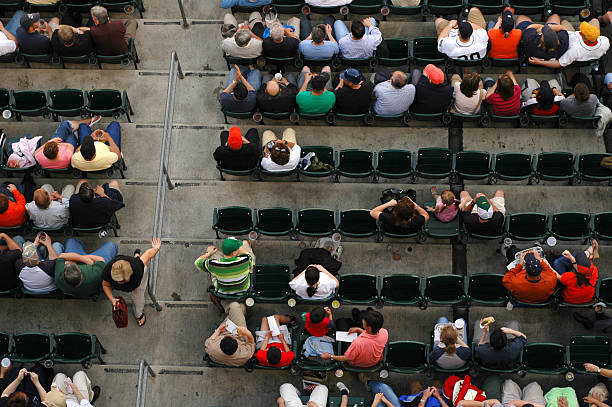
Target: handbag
120, 315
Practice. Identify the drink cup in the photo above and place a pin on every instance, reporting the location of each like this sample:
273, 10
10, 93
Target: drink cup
6, 363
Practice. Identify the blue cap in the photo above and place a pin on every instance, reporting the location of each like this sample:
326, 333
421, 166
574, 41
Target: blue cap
352, 75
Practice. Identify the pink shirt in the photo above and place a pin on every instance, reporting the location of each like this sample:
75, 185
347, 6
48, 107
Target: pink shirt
367, 350
447, 214
62, 161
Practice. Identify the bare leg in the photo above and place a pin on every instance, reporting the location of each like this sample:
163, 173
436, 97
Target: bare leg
555, 18
499, 194
114, 184
464, 199
606, 18
344, 402
264, 324
522, 18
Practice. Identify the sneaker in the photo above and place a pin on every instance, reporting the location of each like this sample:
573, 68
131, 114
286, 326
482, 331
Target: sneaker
96, 393
341, 386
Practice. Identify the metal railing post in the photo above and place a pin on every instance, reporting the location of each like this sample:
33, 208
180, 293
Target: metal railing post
143, 376
182, 7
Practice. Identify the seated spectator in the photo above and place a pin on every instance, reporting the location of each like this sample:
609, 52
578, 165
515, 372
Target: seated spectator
68, 41
282, 42
367, 349
42, 2
231, 349
406, 3
327, 3
580, 102
450, 352
231, 272
394, 95
406, 217
33, 34
238, 152
353, 94
92, 208
35, 274
503, 349
289, 394
469, 93
244, 43
30, 387
244, 3
22, 152
12, 206
504, 96
361, 41
274, 351
99, 149
111, 37
277, 96
542, 99
78, 391
129, 274
240, 92
447, 205
315, 45
315, 282
543, 42
49, 209
482, 215
463, 39
8, 41
531, 394
57, 152
10, 252
578, 275
319, 322
433, 92
383, 393
531, 280
280, 155
316, 94
504, 37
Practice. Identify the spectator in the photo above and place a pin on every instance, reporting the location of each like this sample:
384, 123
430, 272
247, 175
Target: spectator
10, 252
280, 155
277, 96
129, 274
290, 396
580, 103
42, 2
273, 350
433, 93
361, 41
543, 42
353, 94
231, 348
531, 280
541, 99
282, 42
503, 349
385, 394
578, 275
469, 93
447, 205
504, 37
482, 215
231, 272
49, 209
319, 322
68, 41
367, 349
450, 352
327, 3
406, 217
111, 37
393, 95
315, 95
238, 152
406, 3
78, 391
12, 206
531, 394
463, 39
33, 34
244, 43
240, 92
57, 153
92, 208
99, 149
36, 275
504, 96
244, 3
315, 45
315, 282
30, 388
8, 41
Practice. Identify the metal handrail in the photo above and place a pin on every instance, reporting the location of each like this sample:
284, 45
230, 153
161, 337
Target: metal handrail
182, 8
143, 376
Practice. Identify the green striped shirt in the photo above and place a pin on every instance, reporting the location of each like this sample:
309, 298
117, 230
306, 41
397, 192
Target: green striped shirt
229, 275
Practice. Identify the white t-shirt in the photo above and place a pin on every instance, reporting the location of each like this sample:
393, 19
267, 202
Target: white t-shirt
475, 48
294, 158
6, 46
251, 50
579, 51
466, 105
328, 3
36, 280
324, 290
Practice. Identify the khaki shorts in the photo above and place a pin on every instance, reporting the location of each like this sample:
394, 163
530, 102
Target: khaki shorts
475, 17
498, 201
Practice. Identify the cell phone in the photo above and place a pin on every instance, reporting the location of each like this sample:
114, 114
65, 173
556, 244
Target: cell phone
270, 145
42, 236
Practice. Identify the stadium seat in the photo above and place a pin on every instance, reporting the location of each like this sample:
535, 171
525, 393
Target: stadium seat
434, 366
588, 168
400, 289
127, 6
407, 357
513, 369
67, 102
438, 229
82, 6
271, 282
124, 59
5, 344
357, 289
31, 347
511, 167
588, 349
6, 147
315, 222
434, 163
103, 230
236, 173
335, 401
109, 103
354, 163
486, 289
527, 226
472, 165
399, 53
570, 225
424, 51
303, 362
30, 103
324, 154
342, 348
558, 166
288, 6
232, 220
274, 221
444, 289
544, 358
601, 225
394, 164
604, 291
26, 59
527, 6
569, 7
74, 347
405, 10
368, 7
488, 6
444, 7
5, 100
357, 223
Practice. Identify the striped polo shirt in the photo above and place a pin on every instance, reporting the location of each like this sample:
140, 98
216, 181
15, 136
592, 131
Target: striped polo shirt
229, 275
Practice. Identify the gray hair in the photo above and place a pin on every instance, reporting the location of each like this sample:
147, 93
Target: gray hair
277, 32
100, 14
398, 79
318, 34
242, 38
72, 274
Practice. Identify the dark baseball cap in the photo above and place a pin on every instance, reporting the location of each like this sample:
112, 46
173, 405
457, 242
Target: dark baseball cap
27, 20
507, 23
550, 37
532, 265
352, 75
465, 29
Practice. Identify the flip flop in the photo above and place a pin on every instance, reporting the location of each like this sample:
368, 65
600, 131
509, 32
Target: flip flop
95, 120
142, 320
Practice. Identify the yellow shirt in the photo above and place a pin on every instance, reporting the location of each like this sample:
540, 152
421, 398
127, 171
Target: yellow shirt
104, 159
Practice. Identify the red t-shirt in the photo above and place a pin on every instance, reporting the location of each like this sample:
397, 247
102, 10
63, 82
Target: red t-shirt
286, 357
319, 329
534, 291
367, 350
550, 112
504, 48
579, 295
15, 215
506, 107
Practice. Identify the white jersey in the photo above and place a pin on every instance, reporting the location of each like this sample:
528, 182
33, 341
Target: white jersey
475, 48
579, 51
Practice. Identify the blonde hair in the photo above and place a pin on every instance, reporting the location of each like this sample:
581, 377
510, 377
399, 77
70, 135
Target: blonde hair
448, 336
448, 198
121, 270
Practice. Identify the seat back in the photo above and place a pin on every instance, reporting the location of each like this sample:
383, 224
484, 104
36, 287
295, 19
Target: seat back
399, 52
555, 164
571, 224
589, 165
357, 222
406, 355
424, 50
67, 99
31, 346
316, 221
528, 225
271, 282
605, 290
5, 344
4, 98
401, 288
324, 154
543, 357
602, 224
104, 99
29, 99
444, 288
434, 161
472, 163
357, 287
73, 346
355, 161
234, 218
589, 349
394, 162
513, 164
487, 288
274, 220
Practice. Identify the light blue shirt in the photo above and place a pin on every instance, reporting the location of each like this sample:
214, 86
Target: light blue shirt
312, 51
244, 3
363, 48
390, 100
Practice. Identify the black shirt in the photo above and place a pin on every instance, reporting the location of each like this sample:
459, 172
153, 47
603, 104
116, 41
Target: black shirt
286, 49
94, 214
83, 45
9, 276
283, 102
33, 43
430, 98
48, 266
354, 101
135, 279
388, 221
490, 228
238, 160
531, 39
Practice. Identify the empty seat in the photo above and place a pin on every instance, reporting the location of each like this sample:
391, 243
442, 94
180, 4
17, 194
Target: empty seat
5, 344
527, 6
527, 226
5, 99
399, 52
444, 7
232, 220
74, 347
406, 357
511, 167
487, 289
588, 349
28, 103
365, 6
400, 289
274, 221
568, 7
444, 289
315, 222
67, 102
354, 164
31, 347
109, 103
357, 289
424, 50
325, 155
544, 358
357, 223
472, 164
558, 166
570, 225
601, 225
271, 282
604, 291
434, 163
288, 6
588, 168
394, 164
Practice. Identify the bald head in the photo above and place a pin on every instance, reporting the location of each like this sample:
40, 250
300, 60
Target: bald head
272, 88
398, 79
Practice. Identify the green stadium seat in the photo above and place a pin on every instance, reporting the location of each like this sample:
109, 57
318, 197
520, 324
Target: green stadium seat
113, 225
399, 53
23, 58
236, 115
473, 165
354, 164
544, 358
405, 10
400, 289
444, 7
124, 59
527, 226
444, 289
271, 282
570, 225
486, 289
513, 369
232, 220
279, 63
31, 347
236, 173
342, 348
109, 103
74, 347
288, 6
558, 166
588, 349
67, 102
488, 6
335, 401
368, 7
303, 362
438, 229
357, 289
601, 225
511, 167
274, 221
588, 168
569, 7
31, 103
394, 164
604, 291
5, 344
315, 222
79, 5
357, 223
434, 163
424, 51
434, 366
6, 148
527, 6
5, 100
407, 357
324, 154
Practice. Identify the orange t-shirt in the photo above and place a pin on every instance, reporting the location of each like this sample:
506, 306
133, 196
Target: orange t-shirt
504, 48
15, 215
533, 292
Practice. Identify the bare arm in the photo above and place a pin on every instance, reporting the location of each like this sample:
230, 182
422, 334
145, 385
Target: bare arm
10, 389
483, 338
114, 148
149, 254
589, 367
307, 79
447, 29
330, 275
507, 330
76, 392
421, 211
375, 213
77, 258
242, 331
281, 337
551, 63
491, 91
108, 290
10, 243
498, 23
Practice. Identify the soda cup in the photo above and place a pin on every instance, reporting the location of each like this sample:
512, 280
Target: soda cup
384, 374
335, 304
291, 302
339, 373
249, 302
7, 114
551, 241
278, 76
6, 363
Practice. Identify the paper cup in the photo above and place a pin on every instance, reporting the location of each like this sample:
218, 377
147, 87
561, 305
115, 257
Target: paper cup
249, 302
291, 302
7, 114
551, 241
336, 237
459, 324
339, 373
335, 304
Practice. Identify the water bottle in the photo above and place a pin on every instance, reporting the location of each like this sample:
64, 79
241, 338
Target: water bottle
278, 76
306, 161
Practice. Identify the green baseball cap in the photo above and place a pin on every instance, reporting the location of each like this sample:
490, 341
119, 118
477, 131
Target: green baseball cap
230, 245
485, 211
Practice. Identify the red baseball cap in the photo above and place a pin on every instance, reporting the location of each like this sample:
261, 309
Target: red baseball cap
234, 141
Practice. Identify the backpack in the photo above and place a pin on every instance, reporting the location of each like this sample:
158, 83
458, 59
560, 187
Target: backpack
397, 194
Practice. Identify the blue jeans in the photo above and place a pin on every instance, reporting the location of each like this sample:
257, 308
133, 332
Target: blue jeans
340, 29
253, 77
378, 387
113, 129
65, 132
19, 240
107, 251
57, 246
15, 22
563, 265
607, 80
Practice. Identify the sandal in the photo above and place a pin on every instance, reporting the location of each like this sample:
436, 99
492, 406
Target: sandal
595, 249
142, 320
95, 120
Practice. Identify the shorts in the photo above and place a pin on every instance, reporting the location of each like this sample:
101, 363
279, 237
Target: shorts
53, 26
260, 336
523, 25
112, 193
498, 201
